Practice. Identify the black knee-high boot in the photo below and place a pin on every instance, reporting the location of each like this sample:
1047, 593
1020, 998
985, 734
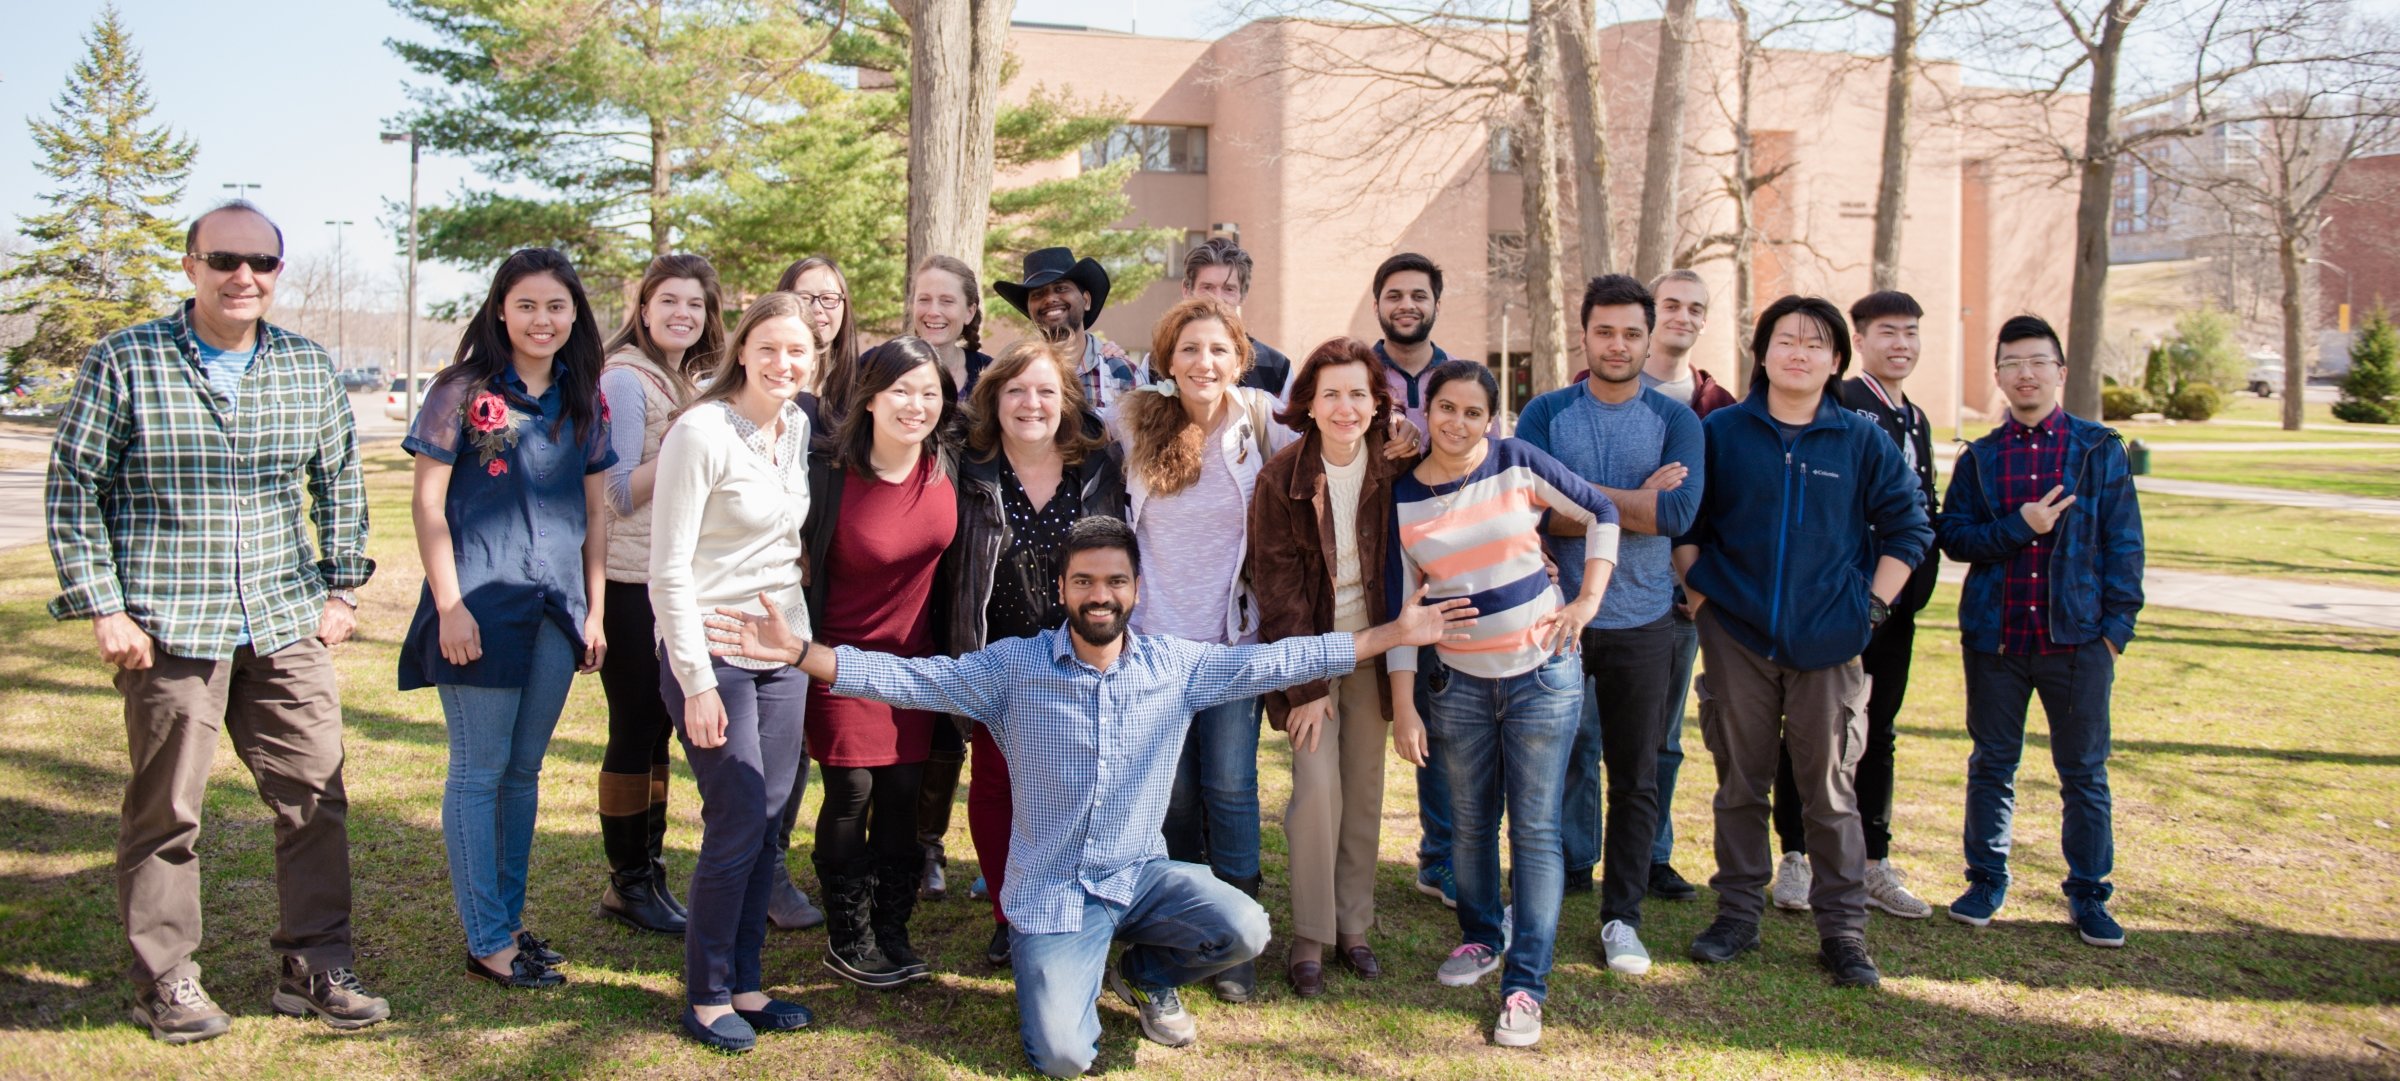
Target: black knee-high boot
658, 838
850, 949
632, 894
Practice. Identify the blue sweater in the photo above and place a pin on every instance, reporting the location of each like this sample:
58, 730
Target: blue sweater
1619, 446
1789, 537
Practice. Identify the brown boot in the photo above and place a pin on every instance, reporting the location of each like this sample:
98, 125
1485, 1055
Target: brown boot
178, 1011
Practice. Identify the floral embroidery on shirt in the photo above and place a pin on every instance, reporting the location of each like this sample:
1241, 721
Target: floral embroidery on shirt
493, 427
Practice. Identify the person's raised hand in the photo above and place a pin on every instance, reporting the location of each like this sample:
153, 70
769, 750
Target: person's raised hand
2043, 514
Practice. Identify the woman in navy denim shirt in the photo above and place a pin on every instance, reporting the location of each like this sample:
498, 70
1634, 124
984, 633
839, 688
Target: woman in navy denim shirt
510, 448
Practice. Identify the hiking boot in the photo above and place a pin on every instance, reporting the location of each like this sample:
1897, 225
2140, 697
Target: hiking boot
1724, 940
1164, 1020
1847, 959
1792, 880
1622, 946
1520, 1022
334, 995
2094, 925
179, 1011
1436, 881
1666, 885
1887, 890
1979, 904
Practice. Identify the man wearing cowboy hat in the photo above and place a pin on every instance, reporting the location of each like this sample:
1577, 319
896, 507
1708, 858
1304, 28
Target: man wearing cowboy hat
1063, 296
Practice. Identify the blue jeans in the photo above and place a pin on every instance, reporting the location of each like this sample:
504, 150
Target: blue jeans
1670, 753
497, 738
744, 784
1579, 808
1182, 927
1507, 743
1433, 778
2074, 688
1212, 813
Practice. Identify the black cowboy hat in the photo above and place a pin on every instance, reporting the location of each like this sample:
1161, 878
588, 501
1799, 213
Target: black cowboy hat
1051, 264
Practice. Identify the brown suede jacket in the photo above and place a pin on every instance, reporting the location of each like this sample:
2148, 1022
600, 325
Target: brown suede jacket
1292, 553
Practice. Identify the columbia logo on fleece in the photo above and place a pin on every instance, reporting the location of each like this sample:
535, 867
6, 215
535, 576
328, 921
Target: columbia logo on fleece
1816, 472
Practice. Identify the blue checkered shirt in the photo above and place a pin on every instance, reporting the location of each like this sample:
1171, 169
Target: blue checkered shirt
1091, 754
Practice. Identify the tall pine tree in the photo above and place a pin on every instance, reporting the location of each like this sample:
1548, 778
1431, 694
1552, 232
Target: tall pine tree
103, 256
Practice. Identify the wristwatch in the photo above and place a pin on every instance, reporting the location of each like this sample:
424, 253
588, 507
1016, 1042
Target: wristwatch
346, 596
1878, 610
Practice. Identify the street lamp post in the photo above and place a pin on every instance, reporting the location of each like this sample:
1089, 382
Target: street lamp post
341, 293
408, 334
243, 188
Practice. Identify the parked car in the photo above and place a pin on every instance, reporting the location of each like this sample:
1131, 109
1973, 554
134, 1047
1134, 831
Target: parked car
2265, 379
395, 401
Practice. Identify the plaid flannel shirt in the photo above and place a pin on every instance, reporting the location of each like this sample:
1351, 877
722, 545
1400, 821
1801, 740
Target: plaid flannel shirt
189, 511
2033, 460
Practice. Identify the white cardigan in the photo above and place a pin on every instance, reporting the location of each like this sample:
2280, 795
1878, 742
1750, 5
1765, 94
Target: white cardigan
724, 527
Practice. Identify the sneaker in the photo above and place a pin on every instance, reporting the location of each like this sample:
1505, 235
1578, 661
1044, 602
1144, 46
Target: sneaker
1520, 1022
1666, 885
1887, 890
178, 1011
1467, 964
1792, 880
1847, 959
996, 951
335, 995
1622, 945
979, 891
1979, 904
1164, 1020
2093, 923
1724, 940
1436, 881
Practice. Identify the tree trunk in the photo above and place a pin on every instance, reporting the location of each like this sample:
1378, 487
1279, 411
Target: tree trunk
2291, 256
2086, 322
955, 51
1545, 284
1587, 126
1891, 190
662, 240
1662, 156
1745, 289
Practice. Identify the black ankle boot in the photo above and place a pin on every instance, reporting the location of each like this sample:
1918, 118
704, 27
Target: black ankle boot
895, 900
934, 803
1239, 983
632, 896
850, 949
658, 839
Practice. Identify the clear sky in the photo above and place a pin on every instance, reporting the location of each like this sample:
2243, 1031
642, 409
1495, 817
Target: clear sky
291, 95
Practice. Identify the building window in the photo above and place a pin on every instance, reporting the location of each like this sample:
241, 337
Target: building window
1158, 148
1503, 150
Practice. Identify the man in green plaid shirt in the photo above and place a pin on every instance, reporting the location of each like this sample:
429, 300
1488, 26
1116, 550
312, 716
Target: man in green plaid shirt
195, 455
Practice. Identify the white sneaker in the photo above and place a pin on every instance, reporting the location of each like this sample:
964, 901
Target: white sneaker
1520, 1022
1887, 889
1791, 882
1623, 948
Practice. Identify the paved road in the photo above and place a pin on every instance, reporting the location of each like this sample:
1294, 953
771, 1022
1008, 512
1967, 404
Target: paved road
2282, 497
2268, 598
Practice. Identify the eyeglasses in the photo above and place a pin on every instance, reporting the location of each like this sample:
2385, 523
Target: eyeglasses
224, 262
824, 302
2037, 365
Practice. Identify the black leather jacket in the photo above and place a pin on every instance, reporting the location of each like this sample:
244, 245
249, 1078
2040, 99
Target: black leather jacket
969, 566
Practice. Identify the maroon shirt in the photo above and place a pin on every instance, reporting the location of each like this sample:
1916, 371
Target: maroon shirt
2033, 460
885, 551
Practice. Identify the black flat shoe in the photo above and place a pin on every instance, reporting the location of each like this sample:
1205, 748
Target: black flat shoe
539, 949
729, 1034
779, 1016
524, 973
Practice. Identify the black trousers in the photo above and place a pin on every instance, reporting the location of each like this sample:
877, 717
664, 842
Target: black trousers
1886, 663
1628, 668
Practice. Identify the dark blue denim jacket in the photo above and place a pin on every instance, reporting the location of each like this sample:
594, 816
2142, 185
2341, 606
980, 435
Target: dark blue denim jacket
2096, 566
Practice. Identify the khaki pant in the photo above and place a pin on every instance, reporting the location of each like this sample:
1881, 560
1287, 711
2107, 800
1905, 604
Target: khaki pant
1335, 820
1749, 708
284, 712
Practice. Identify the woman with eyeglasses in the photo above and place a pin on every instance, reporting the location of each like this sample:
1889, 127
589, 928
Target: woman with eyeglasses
672, 335
510, 450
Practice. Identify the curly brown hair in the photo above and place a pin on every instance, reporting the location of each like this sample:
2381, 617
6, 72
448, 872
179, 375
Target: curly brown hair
983, 402
1165, 442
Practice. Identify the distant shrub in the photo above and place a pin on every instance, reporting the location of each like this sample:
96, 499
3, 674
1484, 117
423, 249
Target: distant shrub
2121, 403
2371, 392
2196, 401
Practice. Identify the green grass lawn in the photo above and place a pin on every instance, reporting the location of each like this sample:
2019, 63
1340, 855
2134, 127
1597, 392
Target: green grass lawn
2257, 783
2373, 473
2226, 537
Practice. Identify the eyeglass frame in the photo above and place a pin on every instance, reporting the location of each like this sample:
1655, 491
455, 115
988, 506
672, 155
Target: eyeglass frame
237, 260
818, 300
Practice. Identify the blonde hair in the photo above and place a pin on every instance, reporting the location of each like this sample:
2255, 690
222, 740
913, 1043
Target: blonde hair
728, 377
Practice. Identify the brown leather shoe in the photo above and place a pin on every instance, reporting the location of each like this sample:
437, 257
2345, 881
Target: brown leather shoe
1308, 978
1361, 961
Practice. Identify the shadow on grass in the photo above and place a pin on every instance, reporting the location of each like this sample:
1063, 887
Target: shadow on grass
2038, 740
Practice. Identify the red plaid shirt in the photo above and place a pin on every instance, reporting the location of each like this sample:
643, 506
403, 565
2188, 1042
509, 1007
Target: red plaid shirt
2033, 460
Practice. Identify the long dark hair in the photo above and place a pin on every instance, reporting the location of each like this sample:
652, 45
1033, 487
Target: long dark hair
484, 354
1816, 310
835, 358
636, 335
882, 366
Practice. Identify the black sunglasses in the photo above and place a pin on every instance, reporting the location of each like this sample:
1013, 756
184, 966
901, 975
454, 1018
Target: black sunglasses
224, 262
